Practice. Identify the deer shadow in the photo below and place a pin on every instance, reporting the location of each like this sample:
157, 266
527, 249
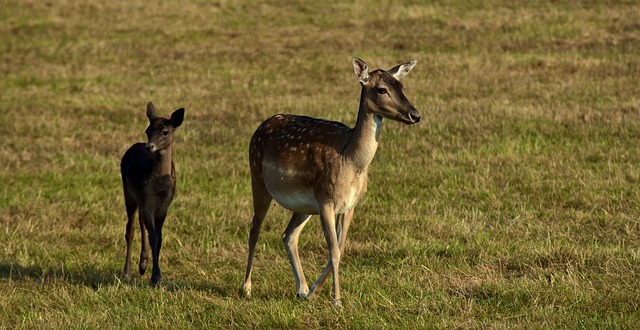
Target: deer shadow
90, 276
96, 277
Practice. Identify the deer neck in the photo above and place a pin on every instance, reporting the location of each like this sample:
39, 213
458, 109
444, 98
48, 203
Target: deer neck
163, 162
363, 142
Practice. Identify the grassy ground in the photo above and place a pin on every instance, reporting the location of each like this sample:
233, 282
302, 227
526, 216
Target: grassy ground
514, 204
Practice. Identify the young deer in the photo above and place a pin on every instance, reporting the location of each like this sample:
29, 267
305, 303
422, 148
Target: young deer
149, 182
314, 166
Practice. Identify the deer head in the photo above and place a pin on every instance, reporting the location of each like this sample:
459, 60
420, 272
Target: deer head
160, 130
383, 93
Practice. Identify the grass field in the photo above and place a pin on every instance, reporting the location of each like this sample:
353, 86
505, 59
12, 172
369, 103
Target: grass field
514, 204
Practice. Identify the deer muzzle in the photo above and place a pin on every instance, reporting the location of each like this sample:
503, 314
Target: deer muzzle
151, 147
415, 117
412, 117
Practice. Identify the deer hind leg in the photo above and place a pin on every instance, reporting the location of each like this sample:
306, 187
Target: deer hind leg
290, 240
342, 227
131, 207
261, 202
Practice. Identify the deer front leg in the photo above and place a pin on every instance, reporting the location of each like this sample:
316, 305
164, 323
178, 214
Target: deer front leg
150, 224
155, 248
328, 221
342, 227
290, 240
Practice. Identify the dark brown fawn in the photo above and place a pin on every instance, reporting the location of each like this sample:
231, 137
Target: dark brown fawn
313, 166
149, 182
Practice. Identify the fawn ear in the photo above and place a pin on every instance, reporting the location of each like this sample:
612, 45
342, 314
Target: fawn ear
151, 111
401, 70
361, 70
177, 117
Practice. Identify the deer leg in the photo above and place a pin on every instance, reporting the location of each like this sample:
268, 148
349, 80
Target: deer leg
328, 221
149, 221
342, 231
290, 240
342, 227
131, 213
261, 203
319, 283
144, 252
155, 250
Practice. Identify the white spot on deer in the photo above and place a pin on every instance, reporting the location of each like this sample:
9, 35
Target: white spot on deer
294, 148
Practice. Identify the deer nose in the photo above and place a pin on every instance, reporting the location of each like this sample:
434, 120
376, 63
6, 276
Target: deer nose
150, 147
415, 117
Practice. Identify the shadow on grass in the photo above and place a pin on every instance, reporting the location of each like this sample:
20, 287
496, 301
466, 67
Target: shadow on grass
98, 278
90, 276
175, 285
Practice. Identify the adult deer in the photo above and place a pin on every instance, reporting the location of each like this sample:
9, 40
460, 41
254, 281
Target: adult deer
314, 166
149, 182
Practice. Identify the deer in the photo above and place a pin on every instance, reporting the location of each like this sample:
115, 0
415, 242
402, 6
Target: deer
319, 167
149, 184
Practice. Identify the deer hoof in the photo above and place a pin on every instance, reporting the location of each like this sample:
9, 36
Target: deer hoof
143, 266
155, 279
312, 294
303, 293
126, 272
245, 290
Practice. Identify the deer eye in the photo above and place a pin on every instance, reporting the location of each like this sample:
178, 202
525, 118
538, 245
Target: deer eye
381, 91
165, 133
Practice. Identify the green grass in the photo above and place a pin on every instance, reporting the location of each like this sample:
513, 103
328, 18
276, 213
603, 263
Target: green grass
514, 204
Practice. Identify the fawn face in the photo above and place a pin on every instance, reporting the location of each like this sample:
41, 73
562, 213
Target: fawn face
160, 130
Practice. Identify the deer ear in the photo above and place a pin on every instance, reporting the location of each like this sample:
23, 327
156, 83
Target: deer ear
401, 70
177, 117
151, 111
361, 70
